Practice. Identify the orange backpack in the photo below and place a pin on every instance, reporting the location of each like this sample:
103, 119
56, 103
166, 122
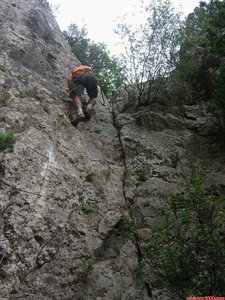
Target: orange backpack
79, 69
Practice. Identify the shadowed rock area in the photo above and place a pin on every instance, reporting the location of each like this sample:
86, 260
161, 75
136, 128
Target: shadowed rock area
69, 197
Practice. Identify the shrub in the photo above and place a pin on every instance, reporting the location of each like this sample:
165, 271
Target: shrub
87, 208
7, 140
98, 131
187, 251
202, 51
4, 97
151, 51
2, 68
143, 175
22, 94
126, 228
48, 35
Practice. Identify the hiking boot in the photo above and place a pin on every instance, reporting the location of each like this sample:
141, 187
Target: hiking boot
79, 119
87, 113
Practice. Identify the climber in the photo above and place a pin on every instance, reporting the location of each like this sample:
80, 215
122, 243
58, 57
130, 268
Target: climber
82, 77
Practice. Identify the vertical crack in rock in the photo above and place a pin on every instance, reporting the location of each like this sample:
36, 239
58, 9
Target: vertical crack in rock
136, 240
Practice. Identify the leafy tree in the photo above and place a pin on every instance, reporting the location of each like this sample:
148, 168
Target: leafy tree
97, 56
202, 51
193, 53
107, 67
216, 27
216, 35
150, 50
78, 41
187, 250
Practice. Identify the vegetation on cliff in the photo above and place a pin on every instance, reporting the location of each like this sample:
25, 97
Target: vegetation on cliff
187, 251
202, 53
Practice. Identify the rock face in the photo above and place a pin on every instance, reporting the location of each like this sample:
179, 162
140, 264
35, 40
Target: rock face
163, 147
69, 197
62, 203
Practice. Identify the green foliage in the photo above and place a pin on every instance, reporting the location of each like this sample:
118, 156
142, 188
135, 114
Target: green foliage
98, 131
202, 52
87, 208
143, 175
3, 68
48, 35
97, 56
127, 228
4, 97
187, 250
215, 30
7, 140
139, 273
151, 51
107, 68
216, 37
86, 268
23, 94
193, 52
78, 41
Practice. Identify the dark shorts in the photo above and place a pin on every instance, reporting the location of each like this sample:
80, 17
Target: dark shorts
83, 81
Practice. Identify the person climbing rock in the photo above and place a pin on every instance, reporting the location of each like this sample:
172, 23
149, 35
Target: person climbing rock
82, 77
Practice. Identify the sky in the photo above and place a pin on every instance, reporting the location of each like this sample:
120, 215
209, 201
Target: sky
101, 16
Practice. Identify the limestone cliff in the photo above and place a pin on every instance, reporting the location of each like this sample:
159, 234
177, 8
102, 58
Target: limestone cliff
69, 196
61, 188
